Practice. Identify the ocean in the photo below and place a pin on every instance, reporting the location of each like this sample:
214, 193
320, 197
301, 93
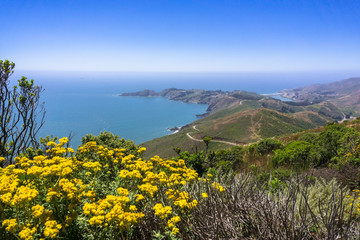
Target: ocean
83, 103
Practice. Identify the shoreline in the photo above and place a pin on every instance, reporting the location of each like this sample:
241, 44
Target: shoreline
278, 95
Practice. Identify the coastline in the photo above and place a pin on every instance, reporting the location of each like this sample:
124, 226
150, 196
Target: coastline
280, 96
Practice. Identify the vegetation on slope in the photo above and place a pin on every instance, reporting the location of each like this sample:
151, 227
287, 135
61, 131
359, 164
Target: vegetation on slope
98, 192
343, 94
239, 125
107, 189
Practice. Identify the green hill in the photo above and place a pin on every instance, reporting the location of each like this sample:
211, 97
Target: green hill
237, 118
234, 126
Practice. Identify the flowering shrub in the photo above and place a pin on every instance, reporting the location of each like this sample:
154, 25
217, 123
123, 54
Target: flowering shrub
95, 193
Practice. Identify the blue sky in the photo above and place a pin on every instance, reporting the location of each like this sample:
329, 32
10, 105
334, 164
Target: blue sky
181, 35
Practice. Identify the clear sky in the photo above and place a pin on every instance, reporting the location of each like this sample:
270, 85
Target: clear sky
181, 35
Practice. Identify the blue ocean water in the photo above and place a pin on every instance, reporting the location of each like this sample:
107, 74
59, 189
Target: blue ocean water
82, 103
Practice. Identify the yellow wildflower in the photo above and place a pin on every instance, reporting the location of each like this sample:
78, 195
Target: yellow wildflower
63, 140
27, 233
161, 211
10, 224
51, 144
123, 191
148, 188
37, 210
174, 231
171, 223
218, 187
141, 150
52, 229
139, 197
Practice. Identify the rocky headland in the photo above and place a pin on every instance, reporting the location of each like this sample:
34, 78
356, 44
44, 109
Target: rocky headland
215, 100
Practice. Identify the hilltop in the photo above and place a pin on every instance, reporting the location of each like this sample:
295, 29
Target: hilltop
344, 94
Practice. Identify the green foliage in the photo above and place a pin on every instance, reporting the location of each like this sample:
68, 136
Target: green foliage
276, 185
207, 141
194, 161
267, 146
334, 142
277, 175
295, 154
228, 159
308, 137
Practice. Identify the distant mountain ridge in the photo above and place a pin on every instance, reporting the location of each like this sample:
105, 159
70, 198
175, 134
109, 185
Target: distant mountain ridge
215, 99
343, 94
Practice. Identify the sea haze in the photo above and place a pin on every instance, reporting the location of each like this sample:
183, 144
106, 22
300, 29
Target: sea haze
83, 103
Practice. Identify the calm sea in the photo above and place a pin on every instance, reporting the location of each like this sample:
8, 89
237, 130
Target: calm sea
83, 103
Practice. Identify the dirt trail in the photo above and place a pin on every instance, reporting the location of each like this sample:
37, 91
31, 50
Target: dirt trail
255, 126
213, 140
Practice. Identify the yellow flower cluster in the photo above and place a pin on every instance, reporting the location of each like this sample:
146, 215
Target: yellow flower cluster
52, 229
26, 187
95, 166
148, 188
141, 150
171, 224
37, 211
218, 186
355, 200
181, 199
10, 224
59, 149
27, 233
162, 211
43, 195
8, 185
113, 209
130, 174
88, 147
23, 195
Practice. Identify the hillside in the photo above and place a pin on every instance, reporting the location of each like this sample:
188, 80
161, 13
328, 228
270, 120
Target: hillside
237, 125
344, 94
240, 117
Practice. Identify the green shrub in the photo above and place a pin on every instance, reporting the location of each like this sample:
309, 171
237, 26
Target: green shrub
296, 155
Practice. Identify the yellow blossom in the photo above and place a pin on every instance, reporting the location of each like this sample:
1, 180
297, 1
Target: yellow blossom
171, 223
123, 191
174, 231
52, 229
10, 225
141, 150
139, 197
27, 233
161, 211
37, 210
148, 188
218, 187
